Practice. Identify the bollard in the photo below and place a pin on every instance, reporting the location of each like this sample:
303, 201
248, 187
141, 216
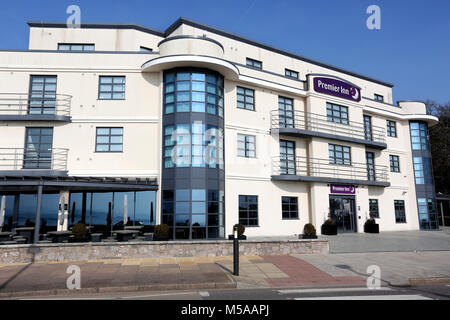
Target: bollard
236, 252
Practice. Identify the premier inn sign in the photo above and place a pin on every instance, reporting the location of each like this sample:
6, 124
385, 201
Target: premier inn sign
337, 88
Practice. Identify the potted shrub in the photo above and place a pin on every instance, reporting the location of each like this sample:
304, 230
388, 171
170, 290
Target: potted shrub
371, 226
241, 230
329, 228
80, 232
309, 232
161, 232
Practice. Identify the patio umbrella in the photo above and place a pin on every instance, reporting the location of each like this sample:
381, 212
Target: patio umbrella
125, 210
61, 217
2, 212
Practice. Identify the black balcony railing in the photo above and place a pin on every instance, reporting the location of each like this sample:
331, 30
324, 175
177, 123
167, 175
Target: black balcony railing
21, 104
322, 168
319, 123
12, 159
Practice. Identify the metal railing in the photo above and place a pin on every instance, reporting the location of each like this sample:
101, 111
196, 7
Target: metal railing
33, 159
25, 104
315, 167
320, 123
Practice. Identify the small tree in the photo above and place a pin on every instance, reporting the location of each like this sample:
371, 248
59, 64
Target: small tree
240, 228
161, 231
309, 230
79, 231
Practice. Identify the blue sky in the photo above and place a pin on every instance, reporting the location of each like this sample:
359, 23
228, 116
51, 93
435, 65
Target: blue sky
412, 50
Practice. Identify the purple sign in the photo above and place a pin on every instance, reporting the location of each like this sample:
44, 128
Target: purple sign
337, 88
336, 188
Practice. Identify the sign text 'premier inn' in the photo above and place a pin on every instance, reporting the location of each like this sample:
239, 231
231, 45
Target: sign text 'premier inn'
337, 88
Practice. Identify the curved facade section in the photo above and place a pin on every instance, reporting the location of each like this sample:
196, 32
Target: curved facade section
186, 44
193, 180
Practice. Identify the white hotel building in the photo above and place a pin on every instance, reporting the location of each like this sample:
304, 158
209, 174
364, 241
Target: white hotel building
92, 114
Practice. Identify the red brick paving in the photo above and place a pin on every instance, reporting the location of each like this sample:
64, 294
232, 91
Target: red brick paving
302, 273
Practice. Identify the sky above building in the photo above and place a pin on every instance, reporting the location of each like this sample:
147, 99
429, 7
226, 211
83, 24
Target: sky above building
411, 50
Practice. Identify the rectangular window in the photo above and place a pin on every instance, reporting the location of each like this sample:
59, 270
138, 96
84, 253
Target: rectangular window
394, 162
367, 127
248, 210
339, 155
245, 98
419, 136
373, 208
287, 157
391, 128
370, 163
422, 170
109, 140
254, 63
289, 207
38, 148
246, 146
337, 113
378, 97
399, 207
111, 88
42, 95
76, 47
291, 74
286, 112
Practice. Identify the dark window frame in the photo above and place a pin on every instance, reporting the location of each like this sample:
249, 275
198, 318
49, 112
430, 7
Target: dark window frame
394, 163
40, 103
291, 74
400, 211
109, 144
284, 158
245, 219
378, 97
422, 133
341, 118
336, 160
246, 96
247, 145
112, 92
253, 63
391, 128
77, 44
292, 211
374, 208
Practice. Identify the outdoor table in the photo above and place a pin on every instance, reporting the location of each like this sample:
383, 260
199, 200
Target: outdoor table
59, 236
148, 236
96, 237
135, 228
125, 235
5, 236
27, 232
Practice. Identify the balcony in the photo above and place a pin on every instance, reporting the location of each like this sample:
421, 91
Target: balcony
23, 107
33, 162
306, 124
321, 170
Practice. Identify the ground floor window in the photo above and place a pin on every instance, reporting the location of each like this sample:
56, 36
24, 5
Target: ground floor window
373, 208
248, 210
427, 214
289, 207
399, 207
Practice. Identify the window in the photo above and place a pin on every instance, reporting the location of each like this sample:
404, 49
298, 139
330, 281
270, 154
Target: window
394, 162
145, 49
42, 95
373, 208
419, 138
287, 157
248, 210
286, 112
391, 128
422, 170
399, 207
193, 91
336, 113
378, 97
427, 214
111, 88
367, 127
245, 98
339, 155
246, 146
109, 140
38, 148
291, 74
289, 207
254, 63
76, 47
370, 163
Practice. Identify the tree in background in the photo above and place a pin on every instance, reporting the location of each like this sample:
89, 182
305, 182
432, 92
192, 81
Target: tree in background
440, 145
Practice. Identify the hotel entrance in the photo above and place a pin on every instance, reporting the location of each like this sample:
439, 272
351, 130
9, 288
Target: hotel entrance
342, 211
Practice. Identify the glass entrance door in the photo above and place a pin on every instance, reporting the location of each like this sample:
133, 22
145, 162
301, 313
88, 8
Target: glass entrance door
342, 210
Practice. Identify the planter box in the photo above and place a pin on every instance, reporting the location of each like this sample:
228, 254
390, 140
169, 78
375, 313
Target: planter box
329, 229
305, 236
241, 237
156, 238
372, 228
148, 236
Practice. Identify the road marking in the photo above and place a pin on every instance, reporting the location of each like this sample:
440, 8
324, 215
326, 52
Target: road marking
204, 293
158, 295
332, 290
384, 297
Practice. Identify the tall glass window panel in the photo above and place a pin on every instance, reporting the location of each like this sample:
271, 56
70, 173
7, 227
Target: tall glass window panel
27, 210
38, 148
286, 112
9, 212
49, 212
419, 136
145, 208
287, 157
75, 209
42, 95
102, 211
399, 208
119, 209
370, 163
367, 127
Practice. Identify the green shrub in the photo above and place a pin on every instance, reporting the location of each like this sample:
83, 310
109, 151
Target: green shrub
309, 230
329, 222
240, 228
80, 231
161, 231
371, 219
